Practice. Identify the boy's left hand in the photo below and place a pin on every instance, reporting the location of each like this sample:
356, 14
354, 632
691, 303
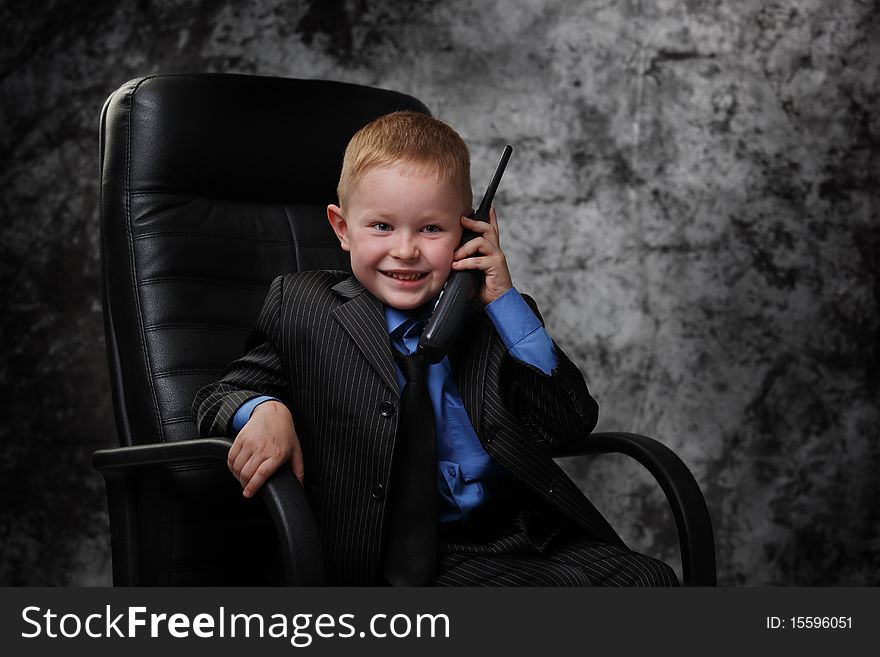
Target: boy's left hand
490, 259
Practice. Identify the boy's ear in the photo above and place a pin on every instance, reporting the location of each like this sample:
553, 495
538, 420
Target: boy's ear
340, 227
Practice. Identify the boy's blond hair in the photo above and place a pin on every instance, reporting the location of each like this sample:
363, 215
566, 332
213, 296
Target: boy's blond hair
410, 138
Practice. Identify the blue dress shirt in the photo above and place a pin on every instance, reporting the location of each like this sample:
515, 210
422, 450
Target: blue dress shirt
466, 475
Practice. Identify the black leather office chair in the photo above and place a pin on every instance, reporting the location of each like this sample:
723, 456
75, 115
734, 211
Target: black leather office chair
211, 185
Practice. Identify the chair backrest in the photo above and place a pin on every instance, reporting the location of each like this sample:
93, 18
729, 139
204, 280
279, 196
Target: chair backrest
211, 185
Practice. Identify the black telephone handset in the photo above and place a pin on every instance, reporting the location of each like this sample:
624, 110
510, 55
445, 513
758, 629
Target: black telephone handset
461, 289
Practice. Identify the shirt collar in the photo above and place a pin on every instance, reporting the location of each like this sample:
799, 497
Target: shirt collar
394, 317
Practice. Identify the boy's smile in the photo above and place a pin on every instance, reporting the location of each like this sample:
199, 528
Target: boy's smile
401, 227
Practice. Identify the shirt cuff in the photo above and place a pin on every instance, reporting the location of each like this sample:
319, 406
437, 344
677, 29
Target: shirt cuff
521, 332
243, 414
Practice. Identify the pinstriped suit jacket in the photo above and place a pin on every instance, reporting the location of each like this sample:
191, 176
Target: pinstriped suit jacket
321, 345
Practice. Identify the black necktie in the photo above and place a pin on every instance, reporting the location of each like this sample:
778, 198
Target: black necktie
411, 548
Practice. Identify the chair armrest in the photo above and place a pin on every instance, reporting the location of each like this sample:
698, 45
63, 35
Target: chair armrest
689, 509
284, 498
117, 459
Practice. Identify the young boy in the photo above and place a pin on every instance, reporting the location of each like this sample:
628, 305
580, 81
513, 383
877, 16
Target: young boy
319, 391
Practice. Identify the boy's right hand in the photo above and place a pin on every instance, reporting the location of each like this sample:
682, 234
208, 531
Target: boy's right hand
267, 441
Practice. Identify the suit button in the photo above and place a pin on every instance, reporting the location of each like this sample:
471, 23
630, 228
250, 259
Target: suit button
553, 486
572, 395
578, 406
378, 491
386, 409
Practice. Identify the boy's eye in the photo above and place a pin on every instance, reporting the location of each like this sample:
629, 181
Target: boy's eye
431, 229
380, 226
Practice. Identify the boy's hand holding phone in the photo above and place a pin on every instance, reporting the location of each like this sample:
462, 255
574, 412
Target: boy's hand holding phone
484, 253
267, 441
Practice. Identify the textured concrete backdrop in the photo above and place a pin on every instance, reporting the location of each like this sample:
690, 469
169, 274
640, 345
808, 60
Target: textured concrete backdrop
693, 199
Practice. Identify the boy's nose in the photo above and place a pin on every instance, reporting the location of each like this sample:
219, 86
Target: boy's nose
405, 248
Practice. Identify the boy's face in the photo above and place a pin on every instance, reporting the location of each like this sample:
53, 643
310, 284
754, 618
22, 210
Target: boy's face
401, 230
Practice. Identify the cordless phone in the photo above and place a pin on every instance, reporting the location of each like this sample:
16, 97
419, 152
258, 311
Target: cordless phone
461, 289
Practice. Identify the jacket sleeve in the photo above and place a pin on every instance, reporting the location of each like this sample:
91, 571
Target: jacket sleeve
557, 408
258, 372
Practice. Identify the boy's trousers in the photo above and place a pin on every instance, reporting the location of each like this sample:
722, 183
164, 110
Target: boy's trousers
536, 547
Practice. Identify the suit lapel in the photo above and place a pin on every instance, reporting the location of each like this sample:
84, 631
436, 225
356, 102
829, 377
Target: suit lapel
362, 318
470, 360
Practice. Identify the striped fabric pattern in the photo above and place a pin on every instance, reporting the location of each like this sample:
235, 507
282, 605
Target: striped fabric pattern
536, 551
320, 345
581, 562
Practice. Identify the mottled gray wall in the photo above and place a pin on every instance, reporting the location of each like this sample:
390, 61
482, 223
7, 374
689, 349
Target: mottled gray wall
693, 199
